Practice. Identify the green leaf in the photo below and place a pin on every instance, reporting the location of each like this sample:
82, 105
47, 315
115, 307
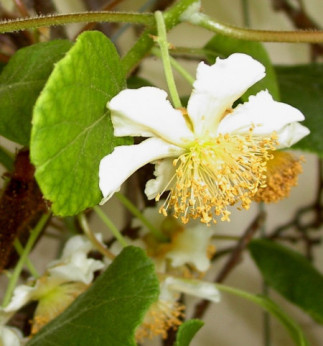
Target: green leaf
2, 65
302, 87
21, 81
72, 129
187, 331
110, 310
135, 82
6, 159
291, 326
291, 275
224, 46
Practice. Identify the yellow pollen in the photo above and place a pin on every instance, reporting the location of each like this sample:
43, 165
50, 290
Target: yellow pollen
217, 173
282, 174
161, 316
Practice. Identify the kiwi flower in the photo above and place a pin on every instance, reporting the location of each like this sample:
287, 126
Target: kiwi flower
210, 155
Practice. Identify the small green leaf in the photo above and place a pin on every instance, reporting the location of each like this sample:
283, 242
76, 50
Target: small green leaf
224, 46
187, 331
291, 275
302, 87
21, 81
110, 310
72, 129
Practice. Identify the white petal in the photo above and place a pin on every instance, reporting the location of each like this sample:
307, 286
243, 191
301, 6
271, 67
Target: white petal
116, 167
74, 264
77, 243
291, 134
164, 172
10, 336
191, 247
77, 268
146, 112
262, 112
218, 86
21, 296
197, 288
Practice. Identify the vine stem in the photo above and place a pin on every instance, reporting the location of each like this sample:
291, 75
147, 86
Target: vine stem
19, 248
172, 17
114, 230
137, 213
265, 288
299, 36
177, 66
22, 260
88, 232
164, 46
81, 17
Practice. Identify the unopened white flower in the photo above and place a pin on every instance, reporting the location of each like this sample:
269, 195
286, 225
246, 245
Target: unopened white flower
209, 155
63, 281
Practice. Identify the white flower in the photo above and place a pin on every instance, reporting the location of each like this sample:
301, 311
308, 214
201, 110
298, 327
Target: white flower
209, 156
63, 281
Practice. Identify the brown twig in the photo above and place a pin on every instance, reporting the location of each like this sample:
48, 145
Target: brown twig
21, 8
233, 260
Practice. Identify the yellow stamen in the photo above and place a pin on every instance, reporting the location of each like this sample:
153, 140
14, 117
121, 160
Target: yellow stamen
161, 316
217, 173
282, 175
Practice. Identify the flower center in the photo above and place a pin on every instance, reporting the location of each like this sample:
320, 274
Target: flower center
216, 173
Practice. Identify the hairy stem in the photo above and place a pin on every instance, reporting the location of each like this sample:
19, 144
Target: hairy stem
82, 17
308, 36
